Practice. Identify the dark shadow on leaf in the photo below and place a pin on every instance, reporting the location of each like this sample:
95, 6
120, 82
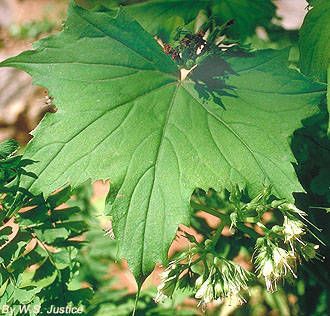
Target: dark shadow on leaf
211, 74
210, 79
311, 147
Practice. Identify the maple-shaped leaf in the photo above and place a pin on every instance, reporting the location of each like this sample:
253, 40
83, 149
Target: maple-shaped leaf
163, 17
314, 41
125, 114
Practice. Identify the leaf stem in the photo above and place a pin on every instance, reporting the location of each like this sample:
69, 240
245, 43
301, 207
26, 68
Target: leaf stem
269, 231
248, 230
209, 210
137, 296
217, 234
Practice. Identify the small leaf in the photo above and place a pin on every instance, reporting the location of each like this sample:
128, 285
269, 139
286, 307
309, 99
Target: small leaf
54, 234
59, 198
64, 214
63, 258
7, 148
25, 295
45, 271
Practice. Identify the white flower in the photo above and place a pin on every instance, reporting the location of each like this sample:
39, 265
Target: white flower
226, 280
274, 265
205, 293
169, 278
230, 280
283, 261
199, 281
293, 230
219, 290
288, 207
268, 272
268, 268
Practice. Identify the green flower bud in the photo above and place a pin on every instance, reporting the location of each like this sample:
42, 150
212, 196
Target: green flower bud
233, 218
217, 262
218, 290
309, 251
199, 281
208, 242
277, 229
277, 203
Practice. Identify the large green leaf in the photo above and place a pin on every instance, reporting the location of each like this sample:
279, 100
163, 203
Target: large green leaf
124, 115
314, 41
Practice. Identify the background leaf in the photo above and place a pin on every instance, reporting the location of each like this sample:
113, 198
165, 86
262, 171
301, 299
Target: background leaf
314, 42
163, 17
247, 15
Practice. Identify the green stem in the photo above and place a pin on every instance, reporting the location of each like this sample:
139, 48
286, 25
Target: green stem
248, 230
268, 231
136, 300
50, 256
217, 234
209, 210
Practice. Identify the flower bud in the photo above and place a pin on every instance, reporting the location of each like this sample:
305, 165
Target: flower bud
293, 230
218, 289
199, 281
309, 251
268, 268
205, 292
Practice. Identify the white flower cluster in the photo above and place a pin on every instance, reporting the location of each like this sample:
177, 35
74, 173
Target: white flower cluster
277, 253
273, 263
223, 280
277, 257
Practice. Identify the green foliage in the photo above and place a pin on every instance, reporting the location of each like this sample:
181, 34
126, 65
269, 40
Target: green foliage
160, 17
12, 167
38, 252
165, 120
247, 15
7, 148
311, 146
328, 99
144, 132
314, 41
163, 17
